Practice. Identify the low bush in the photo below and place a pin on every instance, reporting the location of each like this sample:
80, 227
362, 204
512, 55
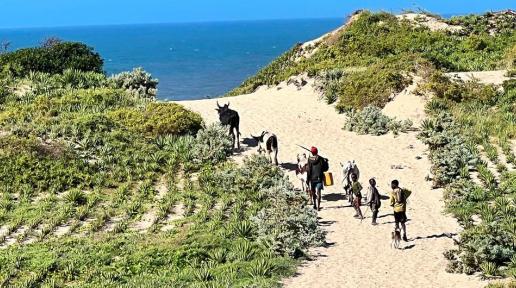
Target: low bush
371, 120
159, 119
373, 86
451, 156
284, 222
52, 59
137, 82
212, 144
488, 23
458, 90
288, 226
328, 83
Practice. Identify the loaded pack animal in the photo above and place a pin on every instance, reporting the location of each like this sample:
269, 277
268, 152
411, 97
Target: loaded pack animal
347, 169
268, 142
302, 174
230, 118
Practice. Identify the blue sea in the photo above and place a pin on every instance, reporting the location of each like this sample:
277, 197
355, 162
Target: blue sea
191, 60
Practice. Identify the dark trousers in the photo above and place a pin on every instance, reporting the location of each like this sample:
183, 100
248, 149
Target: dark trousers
374, 209
375, 215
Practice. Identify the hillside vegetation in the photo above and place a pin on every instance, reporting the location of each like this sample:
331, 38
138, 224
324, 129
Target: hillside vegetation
470, 133
470, 129
102, 186
374, 55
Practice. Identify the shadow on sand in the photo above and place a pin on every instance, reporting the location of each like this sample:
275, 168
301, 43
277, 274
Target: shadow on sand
250, 142
408, 247
333, 197
392, 222
386, 215
289, 166
442, 235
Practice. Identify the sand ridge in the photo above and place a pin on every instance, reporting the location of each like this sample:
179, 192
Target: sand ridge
358, 254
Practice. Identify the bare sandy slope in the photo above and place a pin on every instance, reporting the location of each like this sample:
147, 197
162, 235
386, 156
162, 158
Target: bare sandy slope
359, 255
432, 23
485, 77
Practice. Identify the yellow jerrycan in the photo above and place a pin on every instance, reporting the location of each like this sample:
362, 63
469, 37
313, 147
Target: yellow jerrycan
328, 179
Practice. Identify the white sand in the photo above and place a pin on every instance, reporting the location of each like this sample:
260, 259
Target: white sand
359, 254
407, 105
485, 77
432, 23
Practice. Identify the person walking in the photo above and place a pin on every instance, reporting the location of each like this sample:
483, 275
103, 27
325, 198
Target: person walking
374, 202
315, 176
356, 189
398, 200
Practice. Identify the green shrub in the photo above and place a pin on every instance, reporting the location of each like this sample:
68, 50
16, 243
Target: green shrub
457, 90
137, 82
371, 120
159, 119
260, 268
287, 226
328, 82
449, 152
53, 59
76, 197
373, 87
212, 144
488, 23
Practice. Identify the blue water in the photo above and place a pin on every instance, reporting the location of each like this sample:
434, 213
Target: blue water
192, 61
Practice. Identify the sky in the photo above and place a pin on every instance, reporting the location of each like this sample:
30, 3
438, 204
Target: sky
53, 13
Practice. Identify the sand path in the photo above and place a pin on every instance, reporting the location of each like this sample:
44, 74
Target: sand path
359, 255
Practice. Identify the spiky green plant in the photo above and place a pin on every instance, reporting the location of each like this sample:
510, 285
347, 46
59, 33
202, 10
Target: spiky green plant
489, 269
260, 268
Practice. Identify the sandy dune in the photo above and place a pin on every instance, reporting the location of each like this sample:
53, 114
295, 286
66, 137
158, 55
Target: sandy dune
485, 77
358, 255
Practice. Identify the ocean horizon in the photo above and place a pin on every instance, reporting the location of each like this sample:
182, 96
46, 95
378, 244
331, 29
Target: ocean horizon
191, 60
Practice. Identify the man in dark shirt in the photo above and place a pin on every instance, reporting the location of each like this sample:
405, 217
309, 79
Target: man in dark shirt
315, 177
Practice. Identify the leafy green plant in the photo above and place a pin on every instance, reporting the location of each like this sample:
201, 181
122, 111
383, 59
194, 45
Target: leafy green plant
243, 229
137, 82
76, 197
53, 59
260, 268
212, 144
370, 120
489, 269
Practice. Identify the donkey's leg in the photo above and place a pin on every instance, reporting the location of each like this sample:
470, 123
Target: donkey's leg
232, 137
276, 156
238, 137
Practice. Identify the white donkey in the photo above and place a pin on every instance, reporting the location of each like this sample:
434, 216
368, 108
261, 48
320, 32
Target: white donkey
347, 169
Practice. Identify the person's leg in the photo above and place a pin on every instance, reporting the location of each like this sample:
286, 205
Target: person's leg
375, 214
396, 221
312, 193
314, 198
359, 211
319, 192
404, 227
